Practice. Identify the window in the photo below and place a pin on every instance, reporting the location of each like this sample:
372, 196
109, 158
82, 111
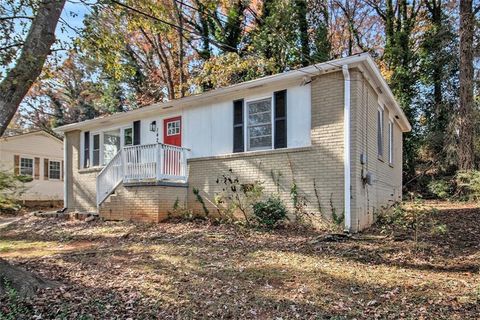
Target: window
259, 124
96, 150
390, 142
127, 136
380, 132
54, 170
26, 167
86, 149
111, 145
173, 128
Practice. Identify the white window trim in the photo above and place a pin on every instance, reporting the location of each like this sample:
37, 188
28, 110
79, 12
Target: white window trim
60, 170
179, 127
381, 126
20, 165
100, 153
390, 142
246, 144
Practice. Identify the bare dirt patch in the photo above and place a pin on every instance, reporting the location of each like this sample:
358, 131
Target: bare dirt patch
197, 271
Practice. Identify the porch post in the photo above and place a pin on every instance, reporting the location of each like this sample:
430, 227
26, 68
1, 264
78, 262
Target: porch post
159, 161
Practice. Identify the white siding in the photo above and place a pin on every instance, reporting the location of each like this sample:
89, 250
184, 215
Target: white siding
34, 145
208, 129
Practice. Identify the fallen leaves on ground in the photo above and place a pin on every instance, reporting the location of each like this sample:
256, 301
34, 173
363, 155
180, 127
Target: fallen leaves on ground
123, 270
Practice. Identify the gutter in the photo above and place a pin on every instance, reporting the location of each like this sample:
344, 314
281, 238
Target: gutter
346, 147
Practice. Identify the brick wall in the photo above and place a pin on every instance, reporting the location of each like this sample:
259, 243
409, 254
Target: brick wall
322, 163
152, 203
367, 200
81, 189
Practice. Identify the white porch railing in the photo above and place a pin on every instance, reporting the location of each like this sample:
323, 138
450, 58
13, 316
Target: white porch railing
110, 177
150, 162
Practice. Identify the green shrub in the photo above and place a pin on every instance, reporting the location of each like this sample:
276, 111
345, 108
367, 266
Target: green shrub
11, 188
270, 212
468, 185
441, 189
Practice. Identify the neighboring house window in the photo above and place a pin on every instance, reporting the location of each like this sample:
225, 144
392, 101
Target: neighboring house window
380, 132
128, 136
390, 142
173, 128
96, 149
259, 124
26, 166
54, 170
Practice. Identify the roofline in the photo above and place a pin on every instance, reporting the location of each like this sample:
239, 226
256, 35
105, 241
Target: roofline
197, 99
44, 132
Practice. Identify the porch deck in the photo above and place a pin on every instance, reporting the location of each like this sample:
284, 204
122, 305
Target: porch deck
147, 163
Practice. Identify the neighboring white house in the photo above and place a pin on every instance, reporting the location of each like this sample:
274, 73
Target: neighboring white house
37, 154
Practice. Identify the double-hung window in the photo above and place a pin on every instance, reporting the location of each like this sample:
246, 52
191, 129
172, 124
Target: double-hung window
259, 124
26, 167
54, 170
380, 132
390, 142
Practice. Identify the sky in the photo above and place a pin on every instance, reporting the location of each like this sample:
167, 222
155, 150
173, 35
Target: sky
73, 14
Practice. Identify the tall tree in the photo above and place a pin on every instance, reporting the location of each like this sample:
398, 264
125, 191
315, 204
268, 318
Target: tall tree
439, 79
399, 18
465, 111
29, 64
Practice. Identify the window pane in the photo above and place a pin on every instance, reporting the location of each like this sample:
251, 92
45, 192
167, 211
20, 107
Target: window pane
380, 132
96, 157
261, 142
96, 142
264, 117
128, 136
259, 106
26, 166
54, 170
173, 128
111, 145
262, 130
259, 124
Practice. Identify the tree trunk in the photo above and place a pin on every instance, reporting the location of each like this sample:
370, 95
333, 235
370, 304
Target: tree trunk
28, 66
24, 283
465, 111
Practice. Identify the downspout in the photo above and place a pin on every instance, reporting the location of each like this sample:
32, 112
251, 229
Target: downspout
346, 147
65, 174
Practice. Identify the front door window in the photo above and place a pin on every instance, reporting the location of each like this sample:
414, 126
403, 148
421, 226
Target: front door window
172, 131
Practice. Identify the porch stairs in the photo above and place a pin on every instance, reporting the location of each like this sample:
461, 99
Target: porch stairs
142, 165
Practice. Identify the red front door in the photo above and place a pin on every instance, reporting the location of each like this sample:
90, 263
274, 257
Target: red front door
172, 135
172, 131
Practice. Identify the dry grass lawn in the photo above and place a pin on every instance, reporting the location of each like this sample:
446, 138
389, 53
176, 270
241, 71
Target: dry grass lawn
116, 270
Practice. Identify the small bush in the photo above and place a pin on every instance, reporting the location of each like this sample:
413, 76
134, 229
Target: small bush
270, 212
237, 197
11, 188
415, 220
441, 189
468, 185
